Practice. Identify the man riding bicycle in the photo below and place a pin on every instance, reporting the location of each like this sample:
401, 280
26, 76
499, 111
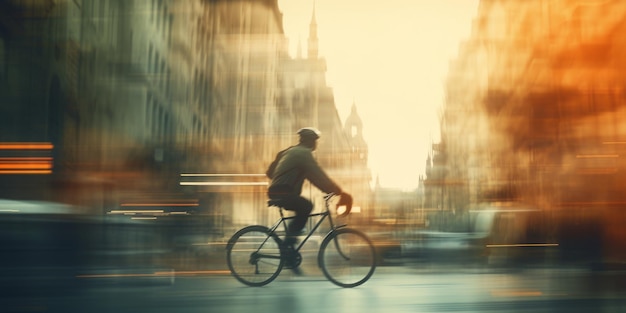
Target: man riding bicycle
288, 172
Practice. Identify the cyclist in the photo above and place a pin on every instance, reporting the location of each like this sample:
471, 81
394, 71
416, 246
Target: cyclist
288, 172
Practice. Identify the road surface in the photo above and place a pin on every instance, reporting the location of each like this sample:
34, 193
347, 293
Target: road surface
391, 289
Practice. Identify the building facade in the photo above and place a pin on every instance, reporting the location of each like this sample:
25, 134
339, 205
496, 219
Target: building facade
533, 108
161, 104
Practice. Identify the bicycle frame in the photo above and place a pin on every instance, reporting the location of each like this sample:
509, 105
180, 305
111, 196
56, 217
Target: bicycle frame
326, 214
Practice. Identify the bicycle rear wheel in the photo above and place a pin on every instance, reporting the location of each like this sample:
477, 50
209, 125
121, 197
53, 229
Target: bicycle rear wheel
253, 256
347, 257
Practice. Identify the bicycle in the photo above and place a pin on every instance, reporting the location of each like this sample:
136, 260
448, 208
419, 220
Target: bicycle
255, 254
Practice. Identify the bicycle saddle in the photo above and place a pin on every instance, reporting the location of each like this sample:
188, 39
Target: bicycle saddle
276, 202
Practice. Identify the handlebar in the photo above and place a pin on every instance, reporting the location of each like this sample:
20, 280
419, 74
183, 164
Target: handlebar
329, 196
346, 203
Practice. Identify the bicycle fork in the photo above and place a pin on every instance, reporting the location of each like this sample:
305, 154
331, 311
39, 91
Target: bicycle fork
343, 255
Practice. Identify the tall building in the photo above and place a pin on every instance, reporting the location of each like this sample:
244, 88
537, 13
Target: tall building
39, 96
532, 114
357, 173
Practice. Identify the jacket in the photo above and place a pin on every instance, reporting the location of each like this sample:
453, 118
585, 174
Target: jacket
292, 166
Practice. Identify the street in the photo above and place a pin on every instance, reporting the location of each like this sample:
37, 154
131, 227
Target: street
392, 289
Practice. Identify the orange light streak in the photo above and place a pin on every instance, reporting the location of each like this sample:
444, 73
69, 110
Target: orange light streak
516, 293
591, 171
26, 146
222, 175
25, 159
25, 166
28, 164
590, 156
25, 172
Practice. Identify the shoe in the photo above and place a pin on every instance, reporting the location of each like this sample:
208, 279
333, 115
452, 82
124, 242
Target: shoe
292, 257
293, 263
297, 271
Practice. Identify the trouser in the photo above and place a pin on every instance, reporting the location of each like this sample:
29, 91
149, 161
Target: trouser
301, 206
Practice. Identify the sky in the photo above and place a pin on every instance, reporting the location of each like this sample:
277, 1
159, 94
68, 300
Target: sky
390, 59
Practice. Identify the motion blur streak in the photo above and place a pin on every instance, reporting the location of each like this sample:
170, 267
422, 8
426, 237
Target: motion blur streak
524, 245
222, 175
156, 204
25, 158
590, 156
132, 211
26, 146
158, 274
223, 183
25, 171
24, 164
239, 180
516, 293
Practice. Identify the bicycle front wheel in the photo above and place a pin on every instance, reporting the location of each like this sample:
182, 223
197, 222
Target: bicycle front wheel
253, 256
347, 257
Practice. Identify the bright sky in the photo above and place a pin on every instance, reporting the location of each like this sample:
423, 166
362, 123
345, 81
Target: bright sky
390, 58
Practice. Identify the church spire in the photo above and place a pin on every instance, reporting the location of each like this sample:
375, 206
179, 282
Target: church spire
353, 128
313, 50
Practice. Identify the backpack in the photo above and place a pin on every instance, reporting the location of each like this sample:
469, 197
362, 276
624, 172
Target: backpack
270, 170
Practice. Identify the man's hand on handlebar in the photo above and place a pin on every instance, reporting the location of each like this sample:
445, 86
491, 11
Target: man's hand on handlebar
345, 199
